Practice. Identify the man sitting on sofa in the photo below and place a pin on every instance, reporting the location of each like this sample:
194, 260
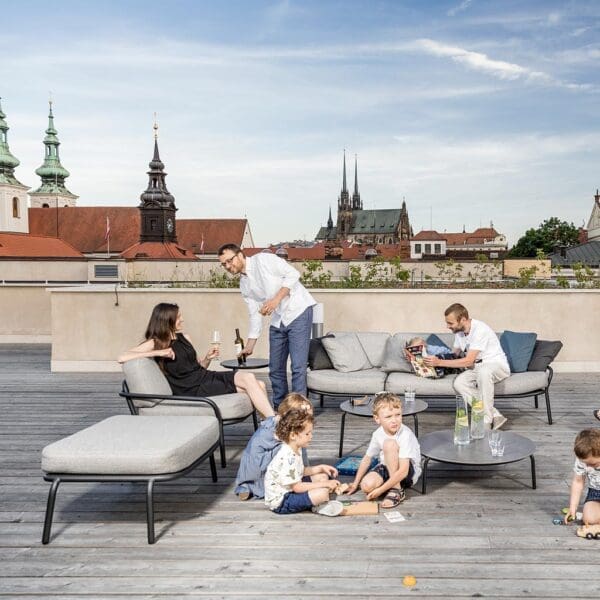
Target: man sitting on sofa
478, 350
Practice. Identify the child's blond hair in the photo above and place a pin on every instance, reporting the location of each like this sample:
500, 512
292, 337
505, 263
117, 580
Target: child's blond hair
293, 421
416, 341
294, 401
385, 400
587, 444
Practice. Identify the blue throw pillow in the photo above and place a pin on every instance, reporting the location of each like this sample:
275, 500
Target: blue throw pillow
518, 348
434, 340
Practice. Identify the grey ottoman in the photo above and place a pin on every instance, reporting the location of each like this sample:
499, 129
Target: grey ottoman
130, 448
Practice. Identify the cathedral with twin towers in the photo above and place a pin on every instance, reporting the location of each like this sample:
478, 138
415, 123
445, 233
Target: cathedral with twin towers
364, 226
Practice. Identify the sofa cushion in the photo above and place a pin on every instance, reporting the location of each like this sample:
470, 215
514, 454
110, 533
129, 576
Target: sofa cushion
317, 355
127, 444
544, 353
522, 383
398, 382
373, 343
346, 352
232, 406
143, 376
518, 348
393, 359
368, 381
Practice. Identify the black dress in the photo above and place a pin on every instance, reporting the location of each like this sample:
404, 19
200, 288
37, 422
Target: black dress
189, 378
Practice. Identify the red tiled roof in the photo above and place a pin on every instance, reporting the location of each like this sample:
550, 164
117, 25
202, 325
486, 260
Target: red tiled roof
476, 237
23, 245
84, 227
428, 235
158, 250
215, 232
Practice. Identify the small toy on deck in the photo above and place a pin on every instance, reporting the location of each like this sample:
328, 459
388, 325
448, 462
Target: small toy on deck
341, 489
589, 532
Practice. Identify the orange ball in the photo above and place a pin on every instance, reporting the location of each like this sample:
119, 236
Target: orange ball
409, 581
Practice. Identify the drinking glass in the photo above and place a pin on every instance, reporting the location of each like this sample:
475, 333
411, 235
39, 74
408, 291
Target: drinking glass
409, 394
216, 338
500, 446
494, 439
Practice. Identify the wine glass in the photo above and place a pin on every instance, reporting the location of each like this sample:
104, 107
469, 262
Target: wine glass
216, 339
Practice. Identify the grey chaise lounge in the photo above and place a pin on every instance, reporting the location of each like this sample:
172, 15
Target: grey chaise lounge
148, 393
130, 448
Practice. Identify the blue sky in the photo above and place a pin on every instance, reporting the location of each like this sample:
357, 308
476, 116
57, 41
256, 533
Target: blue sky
473, 111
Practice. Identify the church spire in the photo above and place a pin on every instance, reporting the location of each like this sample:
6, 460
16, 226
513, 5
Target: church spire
344, 200
8, 162
330, 220
356, 201
157, 204
52, 172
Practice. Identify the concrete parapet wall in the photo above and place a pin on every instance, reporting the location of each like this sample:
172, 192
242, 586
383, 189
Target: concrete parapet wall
91, 326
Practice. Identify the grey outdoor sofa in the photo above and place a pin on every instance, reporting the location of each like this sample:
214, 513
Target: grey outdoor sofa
378, 371
148, 393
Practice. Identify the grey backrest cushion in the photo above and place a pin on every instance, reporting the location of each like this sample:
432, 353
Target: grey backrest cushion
373, 343
544, 352
346, 352
143, 376
393, 358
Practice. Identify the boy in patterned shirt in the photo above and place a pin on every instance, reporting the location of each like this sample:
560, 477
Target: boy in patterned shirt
290, 487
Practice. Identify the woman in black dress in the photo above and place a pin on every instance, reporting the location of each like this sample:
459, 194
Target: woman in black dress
187, 375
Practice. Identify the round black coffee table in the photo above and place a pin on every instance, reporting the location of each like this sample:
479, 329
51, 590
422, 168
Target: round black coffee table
348, 407
251, 363
439, 446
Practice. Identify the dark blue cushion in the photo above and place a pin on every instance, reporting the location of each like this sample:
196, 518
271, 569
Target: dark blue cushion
434, 340
518, 348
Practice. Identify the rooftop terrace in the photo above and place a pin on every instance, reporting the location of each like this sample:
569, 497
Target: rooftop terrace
475, 533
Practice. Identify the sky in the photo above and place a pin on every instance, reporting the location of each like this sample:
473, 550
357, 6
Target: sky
472, 111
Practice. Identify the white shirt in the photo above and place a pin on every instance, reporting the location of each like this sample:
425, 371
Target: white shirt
407, 443
265, 275
592, 474
482, 338
283, 472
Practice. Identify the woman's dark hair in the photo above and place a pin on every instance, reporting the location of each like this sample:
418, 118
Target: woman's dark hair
294, 421
161, 326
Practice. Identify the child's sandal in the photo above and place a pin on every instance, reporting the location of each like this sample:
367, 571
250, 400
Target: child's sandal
393, 497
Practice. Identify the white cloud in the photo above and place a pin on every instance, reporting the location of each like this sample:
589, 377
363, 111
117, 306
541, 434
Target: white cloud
457, 9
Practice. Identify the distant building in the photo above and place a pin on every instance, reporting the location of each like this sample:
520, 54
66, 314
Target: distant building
364, 226
466, 245
149, 231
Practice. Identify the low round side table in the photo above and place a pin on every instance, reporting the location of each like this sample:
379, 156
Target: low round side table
366, 410
251, 363
439, 446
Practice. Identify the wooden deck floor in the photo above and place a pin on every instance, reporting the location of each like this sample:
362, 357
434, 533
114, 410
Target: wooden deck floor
484, 534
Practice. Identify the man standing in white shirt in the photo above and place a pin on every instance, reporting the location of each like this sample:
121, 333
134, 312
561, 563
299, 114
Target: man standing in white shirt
271, 287
481, 355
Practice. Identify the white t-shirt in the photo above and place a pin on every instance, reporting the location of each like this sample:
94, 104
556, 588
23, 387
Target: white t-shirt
481, 337
283, 472
265, 275
592, 474
407, 443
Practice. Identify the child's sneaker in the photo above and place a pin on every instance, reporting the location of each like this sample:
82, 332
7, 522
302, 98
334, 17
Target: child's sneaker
333, 508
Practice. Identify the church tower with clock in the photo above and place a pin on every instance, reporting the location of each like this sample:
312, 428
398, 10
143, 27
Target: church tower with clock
157, 205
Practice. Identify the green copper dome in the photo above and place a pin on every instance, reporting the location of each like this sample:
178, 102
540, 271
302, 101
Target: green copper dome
53, 174
7, 161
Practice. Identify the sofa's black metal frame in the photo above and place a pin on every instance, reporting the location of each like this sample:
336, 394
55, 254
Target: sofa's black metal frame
158, 398
535, 393
58, 478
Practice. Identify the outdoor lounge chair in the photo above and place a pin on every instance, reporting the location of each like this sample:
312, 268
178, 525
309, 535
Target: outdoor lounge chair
148, 393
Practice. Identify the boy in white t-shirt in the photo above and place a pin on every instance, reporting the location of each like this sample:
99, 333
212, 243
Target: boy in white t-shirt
478, 350
399, 455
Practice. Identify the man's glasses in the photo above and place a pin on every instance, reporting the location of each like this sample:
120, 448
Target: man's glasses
228, 261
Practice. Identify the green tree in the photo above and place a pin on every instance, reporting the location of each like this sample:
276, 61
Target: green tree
550, 233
